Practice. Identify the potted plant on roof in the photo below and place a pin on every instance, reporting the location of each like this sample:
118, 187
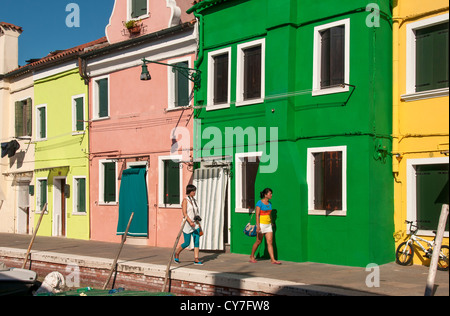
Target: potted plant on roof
133, 26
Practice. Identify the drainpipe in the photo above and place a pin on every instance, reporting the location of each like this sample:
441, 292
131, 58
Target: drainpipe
395, 89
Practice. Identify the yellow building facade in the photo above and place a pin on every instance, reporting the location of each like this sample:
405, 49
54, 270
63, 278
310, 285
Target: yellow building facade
420, 116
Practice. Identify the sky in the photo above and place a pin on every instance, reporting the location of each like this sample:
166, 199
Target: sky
47, 26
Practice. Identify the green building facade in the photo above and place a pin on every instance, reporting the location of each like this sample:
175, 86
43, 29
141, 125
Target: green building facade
297, 95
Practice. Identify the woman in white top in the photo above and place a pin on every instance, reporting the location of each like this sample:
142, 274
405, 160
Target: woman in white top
192, 227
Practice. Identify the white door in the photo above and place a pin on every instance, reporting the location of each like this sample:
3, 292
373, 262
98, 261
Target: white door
59, 207
23, 208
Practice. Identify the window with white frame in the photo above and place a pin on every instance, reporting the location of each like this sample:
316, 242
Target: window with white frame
427, 57
137, 9
179, 84
170, 181
78, 115
247, 165
331, 60
79, 195
219, 79
427, 190
41, 122
23, 117
101, 98
108, 182
327, 180
250, 87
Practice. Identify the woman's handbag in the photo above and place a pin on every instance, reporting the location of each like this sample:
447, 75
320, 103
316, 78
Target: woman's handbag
250, 230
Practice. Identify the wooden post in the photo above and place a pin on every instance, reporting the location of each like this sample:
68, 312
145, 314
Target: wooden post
34, 235
171, 256
124, 237
436, 251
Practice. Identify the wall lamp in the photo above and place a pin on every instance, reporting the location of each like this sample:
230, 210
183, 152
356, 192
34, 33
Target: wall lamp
193, 75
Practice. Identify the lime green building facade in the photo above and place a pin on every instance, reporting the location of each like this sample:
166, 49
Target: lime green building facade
61, 151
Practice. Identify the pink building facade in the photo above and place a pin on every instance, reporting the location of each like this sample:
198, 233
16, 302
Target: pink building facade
140, 131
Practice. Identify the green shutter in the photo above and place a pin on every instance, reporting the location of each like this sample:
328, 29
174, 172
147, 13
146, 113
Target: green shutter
182, 87
42, 127
138, 8
103, 97
81, 195
79, 117
28, 119
431, 182
171, 182
432, 58
19, 118
109, 182
43, 189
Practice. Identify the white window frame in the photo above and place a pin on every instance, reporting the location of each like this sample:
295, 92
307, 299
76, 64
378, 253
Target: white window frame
38, 122
96, 105
74, 114
240, 72
411, 192
75, 196
210, 92
38, 195
161, 160
310, 180
172, 85
129, 9
317, 58
411, 94
238, 179
101, 187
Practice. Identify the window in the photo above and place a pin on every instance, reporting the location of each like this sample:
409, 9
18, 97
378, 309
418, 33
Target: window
219, 75
79, 192
170, 181
427, 190
247, 165
326, 176
331, 57
108, 182
101, 98
250, 73
78, 113
427, 58
41, 122
179, 85
137, 8
23, 121
41, 194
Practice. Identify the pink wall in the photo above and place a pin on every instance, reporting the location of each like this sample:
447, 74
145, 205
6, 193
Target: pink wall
162, 14
138, 126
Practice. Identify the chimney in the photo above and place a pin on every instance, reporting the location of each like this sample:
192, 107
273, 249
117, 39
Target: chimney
9, 47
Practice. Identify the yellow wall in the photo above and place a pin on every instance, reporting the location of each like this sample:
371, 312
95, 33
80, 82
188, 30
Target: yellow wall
420, 127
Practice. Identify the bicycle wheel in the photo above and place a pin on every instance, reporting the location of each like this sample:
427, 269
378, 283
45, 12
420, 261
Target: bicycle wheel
404, 254
443, 258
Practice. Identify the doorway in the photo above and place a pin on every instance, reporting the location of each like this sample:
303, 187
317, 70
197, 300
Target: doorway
23, 207
59, 207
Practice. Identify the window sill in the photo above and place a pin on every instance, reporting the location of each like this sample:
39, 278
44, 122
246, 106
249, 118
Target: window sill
244, 210
108, 203
169, 205
437, 93
327, 213
95, 119
330, 91
217, 107
177, 108
249, 102
79, 213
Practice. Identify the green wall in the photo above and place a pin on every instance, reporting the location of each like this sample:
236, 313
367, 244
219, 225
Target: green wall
364, 235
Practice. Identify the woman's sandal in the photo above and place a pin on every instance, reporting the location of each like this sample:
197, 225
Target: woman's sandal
177, 260
196, 261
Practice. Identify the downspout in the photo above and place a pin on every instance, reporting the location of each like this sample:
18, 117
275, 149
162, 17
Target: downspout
82, 64
395, 90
